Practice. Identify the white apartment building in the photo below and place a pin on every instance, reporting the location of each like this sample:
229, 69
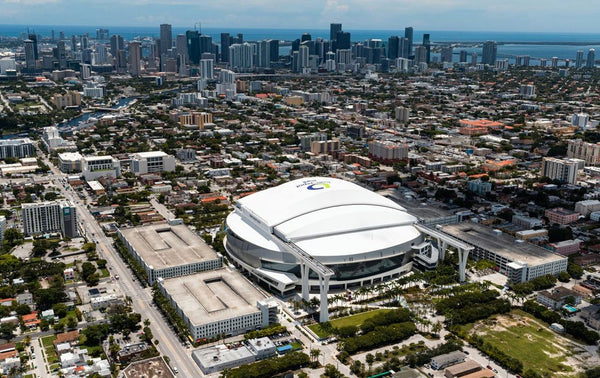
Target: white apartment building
44, 217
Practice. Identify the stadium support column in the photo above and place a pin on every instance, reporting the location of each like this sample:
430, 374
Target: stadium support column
463, 254
304, 272
442, 245
324, 289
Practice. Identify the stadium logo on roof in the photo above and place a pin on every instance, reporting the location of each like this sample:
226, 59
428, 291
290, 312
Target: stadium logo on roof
318, 186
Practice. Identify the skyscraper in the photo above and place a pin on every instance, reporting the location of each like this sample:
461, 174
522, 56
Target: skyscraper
61, 55
342, 40
463, 56
135, 57
392, 47
29, 55
590, 62
193, 45
225, 43
408, 34
333, 30
579, 59
305, 37
420, 54
33, 37
205, 44
116, 43
166, 38
490, 50
427, 45
274, 50
447, 54
182, 49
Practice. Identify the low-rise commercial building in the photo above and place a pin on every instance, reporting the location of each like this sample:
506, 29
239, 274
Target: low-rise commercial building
218, 302
218, 358
448, 359
152, 162
566, 247
69, 162
94, 167
169, 251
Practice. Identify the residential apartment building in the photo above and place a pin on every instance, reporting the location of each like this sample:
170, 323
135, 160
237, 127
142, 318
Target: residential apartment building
17, 148
559, 169
561, 216
48, 217
388, 151
590, 152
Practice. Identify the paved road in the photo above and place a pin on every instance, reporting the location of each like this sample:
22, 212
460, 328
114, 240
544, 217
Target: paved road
169, 344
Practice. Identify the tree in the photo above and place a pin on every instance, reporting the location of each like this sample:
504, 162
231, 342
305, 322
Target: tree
564, 277
369, 358
331, 372
314, 354
7, 329
12, 237
71, 322
60, 310
94, 334
575, 271
59, 327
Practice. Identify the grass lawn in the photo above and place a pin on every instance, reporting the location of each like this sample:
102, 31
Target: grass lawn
525, 338
355, 320
48, 341
104, 273
296, 346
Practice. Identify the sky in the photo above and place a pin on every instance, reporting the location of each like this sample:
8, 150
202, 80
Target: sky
556, 16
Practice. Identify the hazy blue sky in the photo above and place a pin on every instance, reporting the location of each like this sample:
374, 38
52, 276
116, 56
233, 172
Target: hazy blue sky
491, 15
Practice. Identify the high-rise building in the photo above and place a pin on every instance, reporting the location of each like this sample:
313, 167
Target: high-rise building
193, 45
116, 44
559, 169
29, 55
474, 59
225, 43
490, 51
46, 217
206, 45
273, 50
135, 58
33, 37
61, 52
305, 37
166, 38
101, 34
206, 68
463, 56
17, 148
333, 30
420, 54
303, 56
590, 62
427, 45
554, 62
408, 34
342, 40
579, 59
392, 47
447, 54
182, 47
578, 149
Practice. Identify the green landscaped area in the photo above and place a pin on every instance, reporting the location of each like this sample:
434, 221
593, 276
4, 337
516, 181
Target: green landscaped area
355, 320
529, 340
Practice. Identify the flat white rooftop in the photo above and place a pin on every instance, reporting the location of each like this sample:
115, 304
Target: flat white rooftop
149, 154
162, 246
211, 296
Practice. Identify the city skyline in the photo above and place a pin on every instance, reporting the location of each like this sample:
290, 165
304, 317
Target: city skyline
510, 16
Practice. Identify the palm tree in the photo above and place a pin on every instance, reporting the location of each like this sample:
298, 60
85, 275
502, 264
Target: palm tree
314, 354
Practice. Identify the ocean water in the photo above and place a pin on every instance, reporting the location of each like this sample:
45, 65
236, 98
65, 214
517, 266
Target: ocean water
510, 44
